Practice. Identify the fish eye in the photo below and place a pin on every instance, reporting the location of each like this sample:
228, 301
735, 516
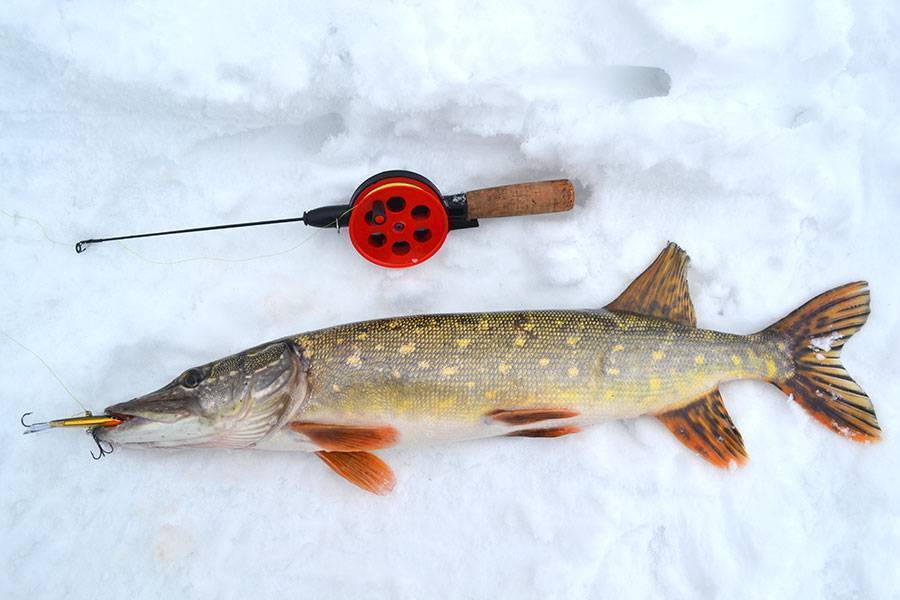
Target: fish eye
191, 378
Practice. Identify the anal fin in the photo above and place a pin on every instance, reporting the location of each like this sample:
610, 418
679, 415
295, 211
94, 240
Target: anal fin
362, 469
705, 427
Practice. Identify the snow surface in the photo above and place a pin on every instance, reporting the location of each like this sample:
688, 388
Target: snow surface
767, 146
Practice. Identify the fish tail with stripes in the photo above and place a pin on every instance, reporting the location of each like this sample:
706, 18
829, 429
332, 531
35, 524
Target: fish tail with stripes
814, 335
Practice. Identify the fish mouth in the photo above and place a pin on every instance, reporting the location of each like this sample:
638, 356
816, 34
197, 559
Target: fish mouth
146, 432
149, 422
128, 420
149, 410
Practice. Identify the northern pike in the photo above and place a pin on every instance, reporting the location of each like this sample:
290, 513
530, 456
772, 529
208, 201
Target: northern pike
345, 392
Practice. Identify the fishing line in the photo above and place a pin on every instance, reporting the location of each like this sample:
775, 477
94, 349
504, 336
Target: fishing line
135, 253
153, 261
47, 366
36, 222
17, 217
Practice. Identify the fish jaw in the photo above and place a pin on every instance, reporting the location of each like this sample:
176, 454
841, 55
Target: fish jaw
232, 403
138, 431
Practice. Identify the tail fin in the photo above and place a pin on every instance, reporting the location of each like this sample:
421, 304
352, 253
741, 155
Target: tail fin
815, 334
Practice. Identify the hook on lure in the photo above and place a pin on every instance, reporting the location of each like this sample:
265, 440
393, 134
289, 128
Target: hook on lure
34, 427
103, 451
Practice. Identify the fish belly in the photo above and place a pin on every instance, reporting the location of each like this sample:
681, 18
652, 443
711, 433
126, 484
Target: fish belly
439, 378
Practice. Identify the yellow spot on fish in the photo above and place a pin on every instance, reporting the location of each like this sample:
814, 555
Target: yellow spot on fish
445, 404
339, 341
736, 360
407, 348
519, 341
463, 342
335, 387
771, 369
528, 326
655, 384
449, 371
353, 360
362, 336
572, 340
609, 395
503, 368
780, 345
483, 325
699, 359
424, 364
379, 346
751, 355
618, 348
544, 362
490, 395
612, 371
393, 324
573, 371
658, 355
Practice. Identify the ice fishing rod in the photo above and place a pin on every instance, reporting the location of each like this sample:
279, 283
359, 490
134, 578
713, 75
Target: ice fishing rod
400, 219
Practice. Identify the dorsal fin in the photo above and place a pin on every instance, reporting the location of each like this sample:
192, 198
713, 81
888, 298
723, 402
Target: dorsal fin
661, 291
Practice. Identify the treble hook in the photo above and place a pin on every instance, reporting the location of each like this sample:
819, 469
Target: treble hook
103, 451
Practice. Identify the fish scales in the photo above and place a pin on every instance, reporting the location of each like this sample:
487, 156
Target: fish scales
457, 368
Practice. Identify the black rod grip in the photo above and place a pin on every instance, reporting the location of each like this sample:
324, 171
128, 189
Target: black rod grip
328, 216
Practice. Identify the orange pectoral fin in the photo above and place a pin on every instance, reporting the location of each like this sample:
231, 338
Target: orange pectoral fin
549, 432
527, 416
347, 438
705, 427
361, 469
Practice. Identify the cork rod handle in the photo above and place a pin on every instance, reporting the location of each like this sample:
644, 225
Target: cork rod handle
521, 199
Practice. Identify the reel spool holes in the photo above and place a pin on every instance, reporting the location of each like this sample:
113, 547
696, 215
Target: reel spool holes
397, 219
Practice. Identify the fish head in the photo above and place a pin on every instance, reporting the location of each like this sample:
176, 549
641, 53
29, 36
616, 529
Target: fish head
230, 403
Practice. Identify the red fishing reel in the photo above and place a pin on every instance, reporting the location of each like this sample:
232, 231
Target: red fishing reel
397, 219
400, 219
